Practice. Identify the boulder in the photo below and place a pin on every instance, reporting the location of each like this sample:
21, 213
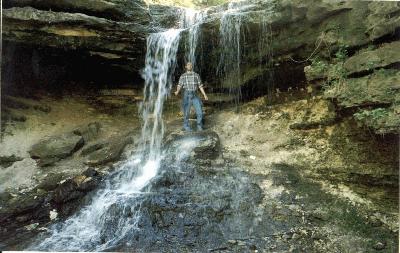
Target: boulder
200, 145
55, 148
89, 132
106, 151
7, 161
74, 188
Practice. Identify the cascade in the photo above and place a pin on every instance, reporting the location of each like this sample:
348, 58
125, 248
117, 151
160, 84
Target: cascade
192, 20
113, 211
229, 66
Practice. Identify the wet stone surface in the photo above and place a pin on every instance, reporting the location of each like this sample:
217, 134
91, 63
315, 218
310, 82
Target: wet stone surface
209, 204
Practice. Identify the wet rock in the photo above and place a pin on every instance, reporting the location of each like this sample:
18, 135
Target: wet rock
50, 182
90, 148
196, 209
76, 187
6, 161
88, 132
200, 145
67, 191
32, 226
107, 151
379, 246
55, 148
354, 24
164, 15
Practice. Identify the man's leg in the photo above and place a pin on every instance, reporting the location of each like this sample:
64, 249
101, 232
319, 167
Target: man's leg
186, 111
199, 112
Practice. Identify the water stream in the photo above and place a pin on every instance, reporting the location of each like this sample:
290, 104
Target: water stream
192, 21
229, 67
113, 212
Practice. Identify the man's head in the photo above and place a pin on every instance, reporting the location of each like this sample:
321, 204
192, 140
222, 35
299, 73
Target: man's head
189, 66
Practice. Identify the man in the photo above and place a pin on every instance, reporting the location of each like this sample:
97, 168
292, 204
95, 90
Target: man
190, 81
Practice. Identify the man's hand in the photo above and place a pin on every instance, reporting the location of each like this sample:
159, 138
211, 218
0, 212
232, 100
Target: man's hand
178, 88
203, 92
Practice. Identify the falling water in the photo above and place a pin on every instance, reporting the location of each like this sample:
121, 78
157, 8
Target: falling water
160, 64
111, 216
230, 56
192, 20
265, 53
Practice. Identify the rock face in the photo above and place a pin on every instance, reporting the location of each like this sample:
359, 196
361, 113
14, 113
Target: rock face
106, 38
108, 35
379, 88
387, 54
55, 148
297, 29
130, 11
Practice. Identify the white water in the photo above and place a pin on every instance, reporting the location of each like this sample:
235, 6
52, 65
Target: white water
192, 20
229, 66
113, 212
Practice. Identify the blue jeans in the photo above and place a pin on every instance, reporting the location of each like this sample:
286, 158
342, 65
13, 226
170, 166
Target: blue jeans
190, 97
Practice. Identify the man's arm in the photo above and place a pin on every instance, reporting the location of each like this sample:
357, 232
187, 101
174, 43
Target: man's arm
201, 87
203, 92
178, 88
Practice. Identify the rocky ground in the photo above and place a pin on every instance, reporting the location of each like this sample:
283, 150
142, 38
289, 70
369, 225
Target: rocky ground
50, 148
291, 177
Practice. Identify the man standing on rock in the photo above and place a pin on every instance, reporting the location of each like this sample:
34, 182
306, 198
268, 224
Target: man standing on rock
190, 81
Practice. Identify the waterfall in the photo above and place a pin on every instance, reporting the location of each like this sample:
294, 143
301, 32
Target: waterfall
265, 54
192, 20
229, 66
112, 214
160, 64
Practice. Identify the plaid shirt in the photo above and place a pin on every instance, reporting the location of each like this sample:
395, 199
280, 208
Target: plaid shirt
190, 81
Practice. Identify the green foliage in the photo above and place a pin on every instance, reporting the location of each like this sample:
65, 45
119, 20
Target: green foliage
373, 115
318, 65
342, 54
335, 71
